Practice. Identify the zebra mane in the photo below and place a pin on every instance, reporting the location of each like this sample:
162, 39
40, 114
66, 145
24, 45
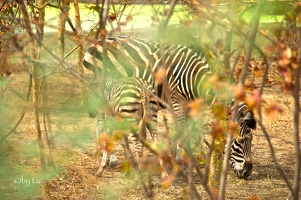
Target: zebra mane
197, 49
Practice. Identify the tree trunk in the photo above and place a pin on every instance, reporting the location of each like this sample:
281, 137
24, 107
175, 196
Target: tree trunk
296, 96
78, 37
61, 25
216, 161
103, 16
41, 21
78, 29
35, 95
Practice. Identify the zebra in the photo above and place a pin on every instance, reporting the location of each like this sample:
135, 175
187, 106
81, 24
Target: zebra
131, 99
241, 155
186, 70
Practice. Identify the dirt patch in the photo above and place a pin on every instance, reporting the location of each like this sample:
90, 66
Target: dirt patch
72, 133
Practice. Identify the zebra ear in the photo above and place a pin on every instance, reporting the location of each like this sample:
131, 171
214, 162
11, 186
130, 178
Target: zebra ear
239, 139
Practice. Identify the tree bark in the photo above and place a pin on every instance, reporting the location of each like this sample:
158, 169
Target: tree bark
103, 16
61, 25
296, 184
78, 29
35, 96
41, 21
78, 39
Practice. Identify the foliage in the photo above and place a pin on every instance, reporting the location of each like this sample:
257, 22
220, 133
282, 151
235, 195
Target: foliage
271, 60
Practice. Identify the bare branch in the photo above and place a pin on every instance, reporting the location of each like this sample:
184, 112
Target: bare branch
147, 192
296, 97
278, 167
103, 16
223, 178
22, 114
168, 16
207, 169
252, 37
193, 192
34, 86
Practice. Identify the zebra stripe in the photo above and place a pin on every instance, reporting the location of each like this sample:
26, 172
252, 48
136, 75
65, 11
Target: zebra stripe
186, 69
241, 154
133, 100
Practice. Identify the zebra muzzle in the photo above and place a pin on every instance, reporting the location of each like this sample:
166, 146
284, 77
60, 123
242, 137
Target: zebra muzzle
246, 171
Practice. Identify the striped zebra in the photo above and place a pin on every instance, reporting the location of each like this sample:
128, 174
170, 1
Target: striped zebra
131, 99
185, 69
241, 155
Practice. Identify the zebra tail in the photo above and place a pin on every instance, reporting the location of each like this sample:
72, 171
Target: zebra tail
144, 119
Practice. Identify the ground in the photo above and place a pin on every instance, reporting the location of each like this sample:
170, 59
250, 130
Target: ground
75, 160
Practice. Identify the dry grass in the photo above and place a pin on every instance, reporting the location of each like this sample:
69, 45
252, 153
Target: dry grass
74, 144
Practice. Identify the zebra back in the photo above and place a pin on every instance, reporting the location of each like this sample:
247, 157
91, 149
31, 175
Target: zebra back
186, 70
132, 98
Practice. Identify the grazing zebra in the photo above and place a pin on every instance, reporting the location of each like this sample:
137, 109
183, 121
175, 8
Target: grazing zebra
241, 157
185, 69
131, 99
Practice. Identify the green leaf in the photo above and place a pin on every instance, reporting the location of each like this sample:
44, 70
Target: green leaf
3, 81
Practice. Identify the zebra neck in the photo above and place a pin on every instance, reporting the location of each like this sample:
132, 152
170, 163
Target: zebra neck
244, 129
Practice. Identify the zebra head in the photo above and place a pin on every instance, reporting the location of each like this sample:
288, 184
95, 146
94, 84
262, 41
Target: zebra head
243, 114
241, 157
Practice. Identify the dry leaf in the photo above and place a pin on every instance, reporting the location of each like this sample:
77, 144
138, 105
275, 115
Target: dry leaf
272, 111
160, 75
238, 92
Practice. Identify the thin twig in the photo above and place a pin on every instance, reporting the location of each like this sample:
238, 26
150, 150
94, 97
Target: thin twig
34, 84
169, 14
61, 61
252, 37
47, 129
147, 192
207, 170
278, 167
223, 178
103, 16
193, 192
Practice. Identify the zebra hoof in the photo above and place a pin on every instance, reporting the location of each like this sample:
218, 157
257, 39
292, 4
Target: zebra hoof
113, 164
180, 160
179, 157
164, 176
113, 161
99, 172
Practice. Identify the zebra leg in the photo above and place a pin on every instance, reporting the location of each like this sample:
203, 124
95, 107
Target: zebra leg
180, 115
99, 127
101, 145
164, 124
179, 156
113, 161
102, 164
154, 134
164, 173
138, 147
